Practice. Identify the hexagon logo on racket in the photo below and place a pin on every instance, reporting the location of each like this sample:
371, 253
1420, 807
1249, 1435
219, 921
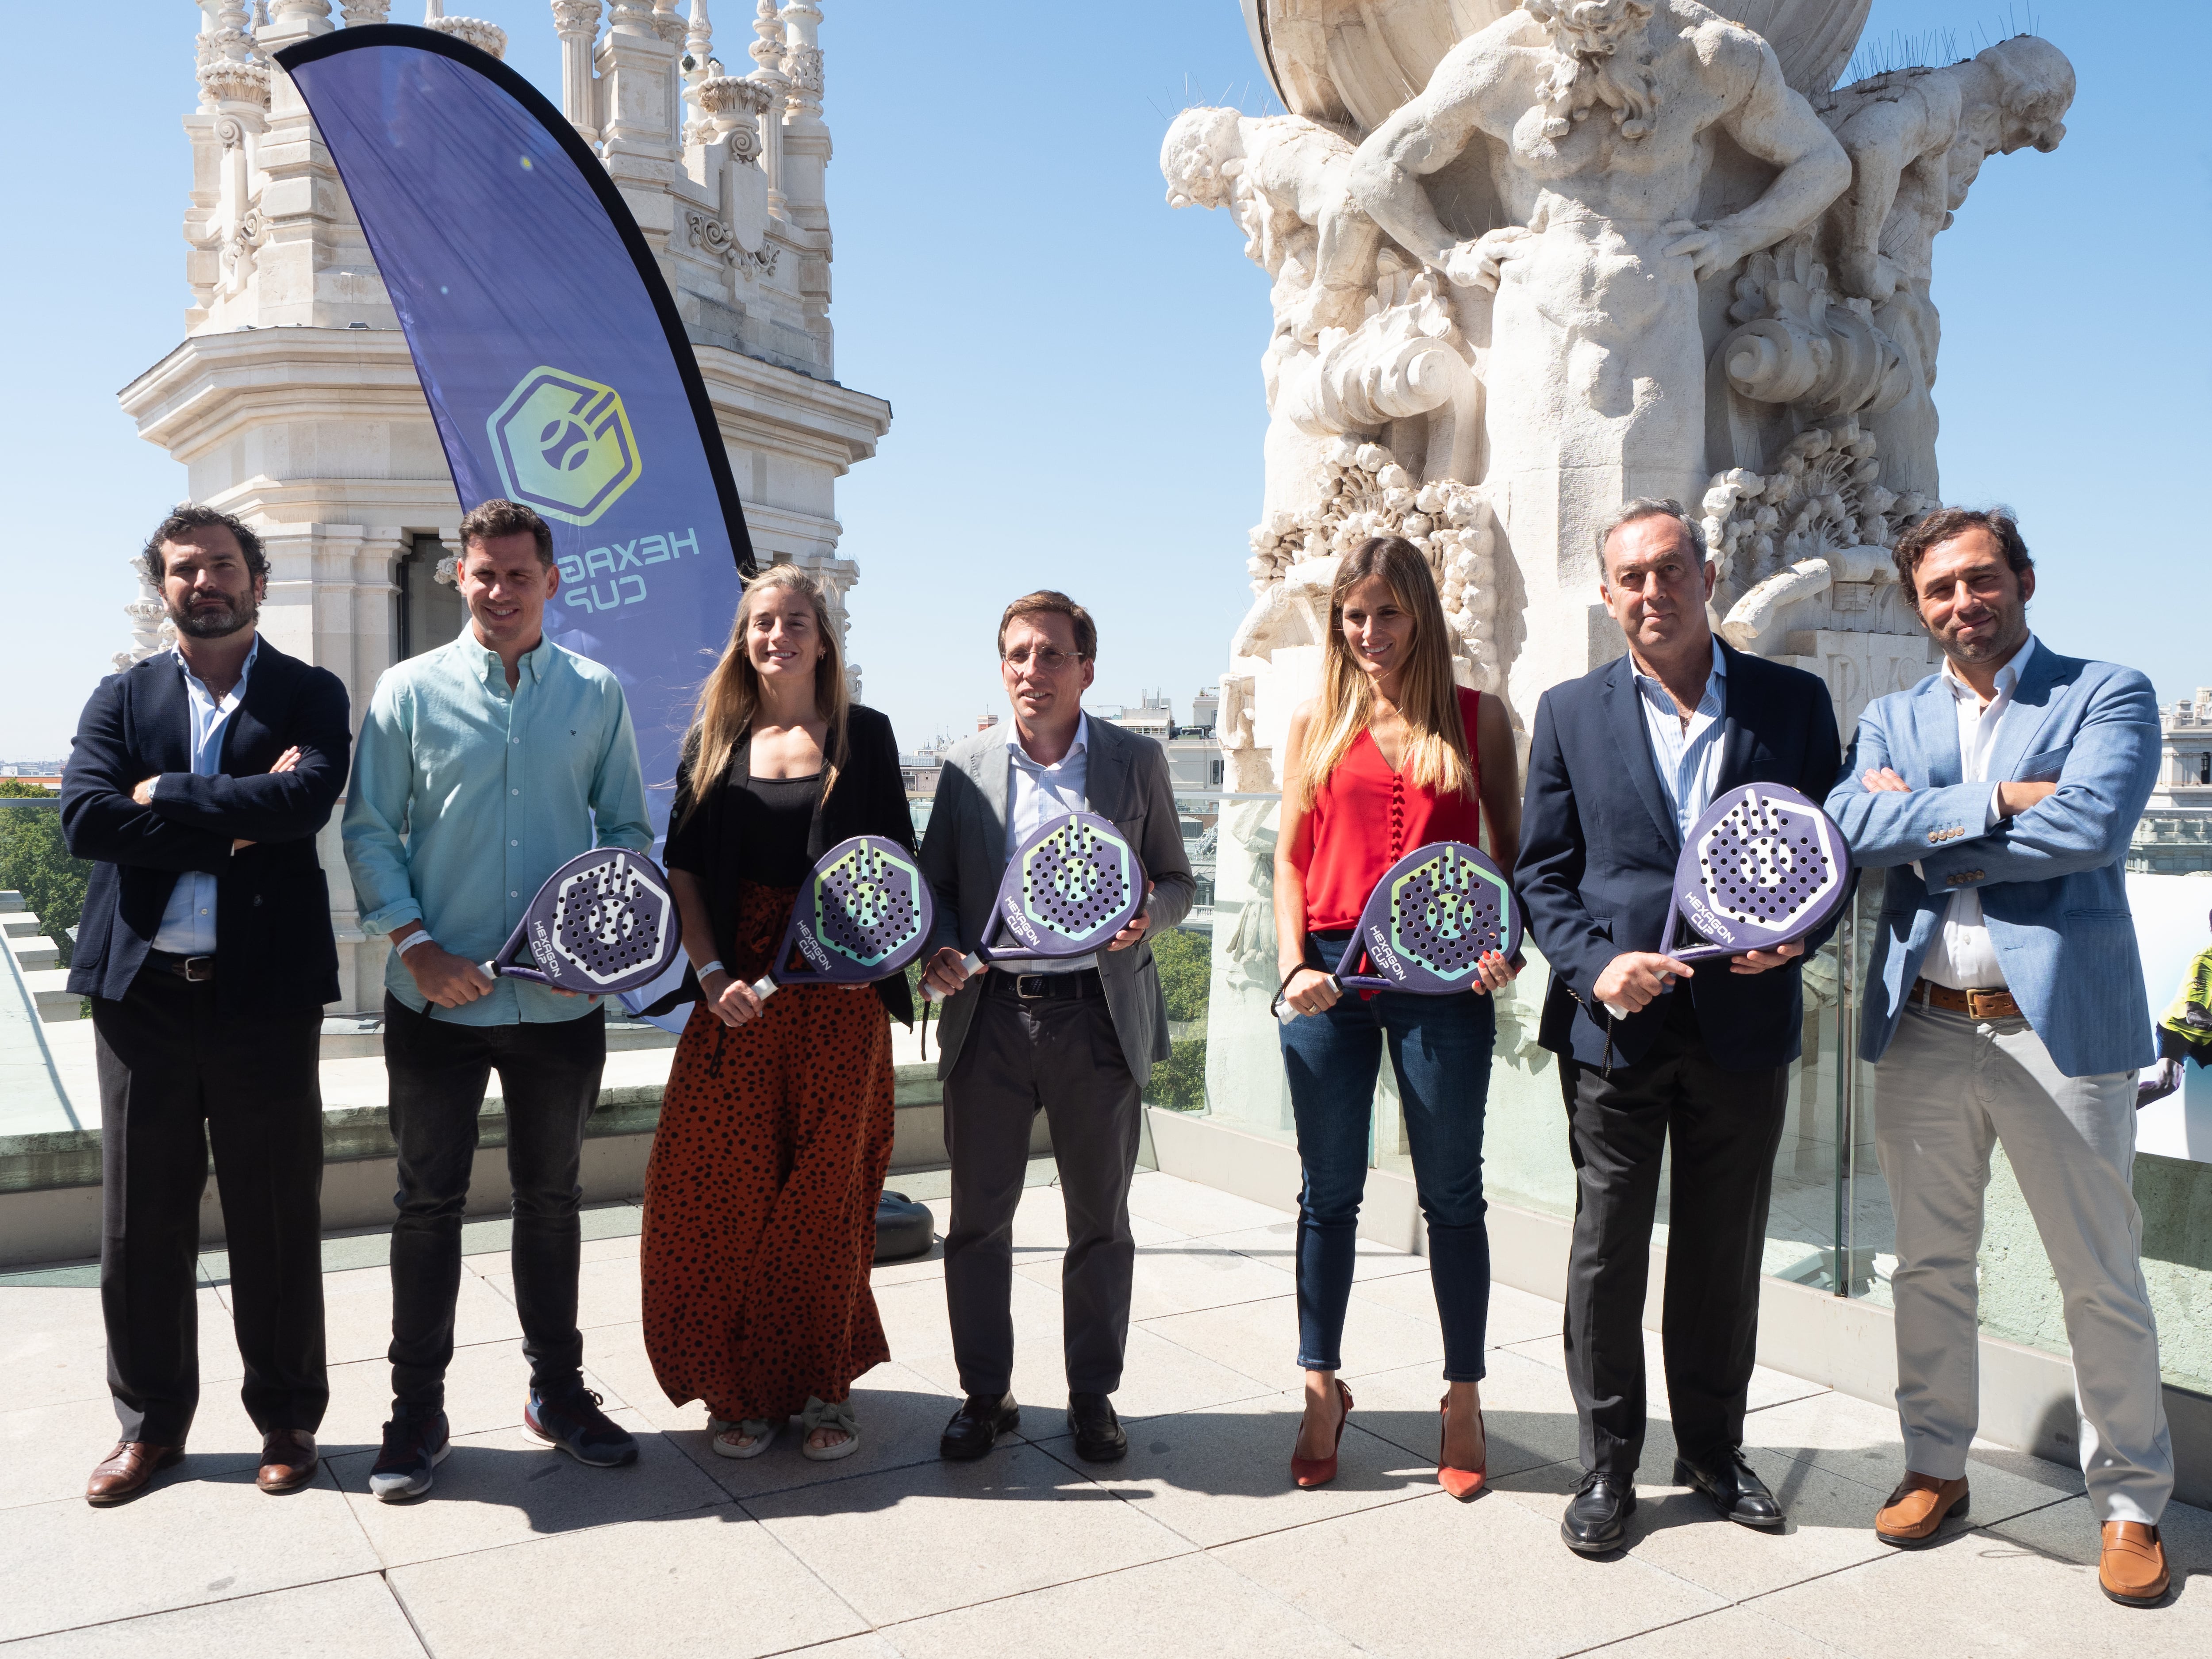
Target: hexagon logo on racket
1432, 918
864, 912
602, 923
1072, 884
1762, 868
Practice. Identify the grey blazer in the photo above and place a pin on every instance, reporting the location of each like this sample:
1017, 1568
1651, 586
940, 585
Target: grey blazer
964, 854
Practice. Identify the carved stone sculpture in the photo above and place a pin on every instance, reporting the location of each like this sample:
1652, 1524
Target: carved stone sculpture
1916, 139
1596, 120
1285, 181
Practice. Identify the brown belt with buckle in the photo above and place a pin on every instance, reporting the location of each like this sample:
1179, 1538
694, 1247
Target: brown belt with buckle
1976, 1004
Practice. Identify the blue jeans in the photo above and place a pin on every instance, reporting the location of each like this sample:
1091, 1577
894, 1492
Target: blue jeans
1440, 1052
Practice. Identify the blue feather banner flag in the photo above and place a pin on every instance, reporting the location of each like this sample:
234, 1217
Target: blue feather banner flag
550, 350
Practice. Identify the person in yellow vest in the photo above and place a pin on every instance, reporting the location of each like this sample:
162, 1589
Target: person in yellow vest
2185, 1033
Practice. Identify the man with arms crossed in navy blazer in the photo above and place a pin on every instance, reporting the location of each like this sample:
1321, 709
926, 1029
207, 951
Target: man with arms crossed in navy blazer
2005, 1004
1621, 763
198, 782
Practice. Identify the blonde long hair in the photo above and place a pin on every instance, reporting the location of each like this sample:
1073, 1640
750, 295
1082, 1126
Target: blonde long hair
1436, 754
731, 697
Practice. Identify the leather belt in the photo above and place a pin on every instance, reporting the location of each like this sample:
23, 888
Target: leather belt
1039, 987
1976, 1004
193, 970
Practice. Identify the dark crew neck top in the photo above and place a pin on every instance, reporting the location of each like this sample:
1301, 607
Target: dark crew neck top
769, 818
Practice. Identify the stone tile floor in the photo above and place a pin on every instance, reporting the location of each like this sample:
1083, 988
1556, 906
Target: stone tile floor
1196, 1545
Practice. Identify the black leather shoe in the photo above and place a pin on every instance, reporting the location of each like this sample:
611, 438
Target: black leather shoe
982, 1419
1738, 1493
1596, 1523
1098, 1436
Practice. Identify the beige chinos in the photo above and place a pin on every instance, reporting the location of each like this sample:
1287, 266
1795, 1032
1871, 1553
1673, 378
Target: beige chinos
1949, 1088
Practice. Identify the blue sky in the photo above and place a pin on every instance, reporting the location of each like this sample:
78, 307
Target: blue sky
1072, 366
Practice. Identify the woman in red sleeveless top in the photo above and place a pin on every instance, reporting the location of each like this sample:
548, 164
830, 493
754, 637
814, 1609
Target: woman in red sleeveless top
1379, 763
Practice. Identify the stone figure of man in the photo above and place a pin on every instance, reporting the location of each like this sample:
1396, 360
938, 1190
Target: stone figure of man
1287, 182
1916, 139
1597, 117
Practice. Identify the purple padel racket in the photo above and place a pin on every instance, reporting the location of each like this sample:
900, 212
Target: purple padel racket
1431, 919
1068, 889
862, 915
602, 923
1762, 867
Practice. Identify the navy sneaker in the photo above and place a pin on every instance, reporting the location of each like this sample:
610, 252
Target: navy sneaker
413, 1446
574, 1422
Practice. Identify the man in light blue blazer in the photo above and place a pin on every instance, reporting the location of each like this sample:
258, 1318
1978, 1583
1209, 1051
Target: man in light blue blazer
2005, 1005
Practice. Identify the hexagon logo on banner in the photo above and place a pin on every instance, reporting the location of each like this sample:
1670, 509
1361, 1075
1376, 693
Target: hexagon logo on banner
564, 445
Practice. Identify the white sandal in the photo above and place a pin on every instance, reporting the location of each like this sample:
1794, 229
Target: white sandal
758, 1432
826, 1414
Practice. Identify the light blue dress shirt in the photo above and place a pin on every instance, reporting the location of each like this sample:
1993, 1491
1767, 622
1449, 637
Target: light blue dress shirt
1035, 794
188, 925
466, 796
1688, 758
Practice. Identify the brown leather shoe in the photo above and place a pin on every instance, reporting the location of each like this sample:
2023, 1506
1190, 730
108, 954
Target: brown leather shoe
288, 1459
2132, 1569
1920, 1504
124, 1473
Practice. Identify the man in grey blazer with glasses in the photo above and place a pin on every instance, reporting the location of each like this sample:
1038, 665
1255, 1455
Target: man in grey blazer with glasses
1073, 1038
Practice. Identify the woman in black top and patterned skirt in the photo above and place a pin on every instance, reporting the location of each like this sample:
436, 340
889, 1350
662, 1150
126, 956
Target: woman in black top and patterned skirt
776, 1129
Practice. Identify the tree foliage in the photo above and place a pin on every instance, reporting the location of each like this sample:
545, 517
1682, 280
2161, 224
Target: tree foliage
1178, 1082
1184, 964
35, 863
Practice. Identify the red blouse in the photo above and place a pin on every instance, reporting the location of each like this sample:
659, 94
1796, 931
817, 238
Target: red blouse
1366, 817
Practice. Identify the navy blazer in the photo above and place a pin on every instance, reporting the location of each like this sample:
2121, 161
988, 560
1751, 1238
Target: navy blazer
275, 951
1598, 846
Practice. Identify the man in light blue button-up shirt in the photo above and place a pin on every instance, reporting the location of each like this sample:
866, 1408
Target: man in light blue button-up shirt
482, 767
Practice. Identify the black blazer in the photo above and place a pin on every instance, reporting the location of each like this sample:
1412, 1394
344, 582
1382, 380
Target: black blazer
275, 952
868, 798
1599, 842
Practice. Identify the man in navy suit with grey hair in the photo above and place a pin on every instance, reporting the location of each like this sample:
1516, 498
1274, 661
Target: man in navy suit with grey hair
1654, 1053
198, 782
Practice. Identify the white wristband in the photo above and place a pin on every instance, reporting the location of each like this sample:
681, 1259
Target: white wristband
705, 968
421, 937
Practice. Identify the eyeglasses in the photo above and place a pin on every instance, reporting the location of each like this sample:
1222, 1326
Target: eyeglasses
1048, 659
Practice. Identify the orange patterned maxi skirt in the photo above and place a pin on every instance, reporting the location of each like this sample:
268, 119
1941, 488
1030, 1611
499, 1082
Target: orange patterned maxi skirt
760, 1197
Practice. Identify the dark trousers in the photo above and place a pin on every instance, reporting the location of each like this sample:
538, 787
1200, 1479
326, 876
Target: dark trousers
549, 1076
1060, 1056
1724, 1127
174, 1076
1439, 1050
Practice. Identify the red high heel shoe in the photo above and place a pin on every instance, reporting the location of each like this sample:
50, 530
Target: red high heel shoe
1461, 1484
1308, 1472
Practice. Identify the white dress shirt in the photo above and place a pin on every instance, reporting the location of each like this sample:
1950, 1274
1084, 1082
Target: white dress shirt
1687, 757
1962, 956
188, 925
1035, 794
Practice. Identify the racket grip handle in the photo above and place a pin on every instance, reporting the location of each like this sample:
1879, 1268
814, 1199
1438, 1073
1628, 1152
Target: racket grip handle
971, 963
1286, 1014
764, 987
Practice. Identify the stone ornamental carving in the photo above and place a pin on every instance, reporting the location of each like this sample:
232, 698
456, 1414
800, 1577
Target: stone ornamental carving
1803, 344
484, 37
1526, 261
